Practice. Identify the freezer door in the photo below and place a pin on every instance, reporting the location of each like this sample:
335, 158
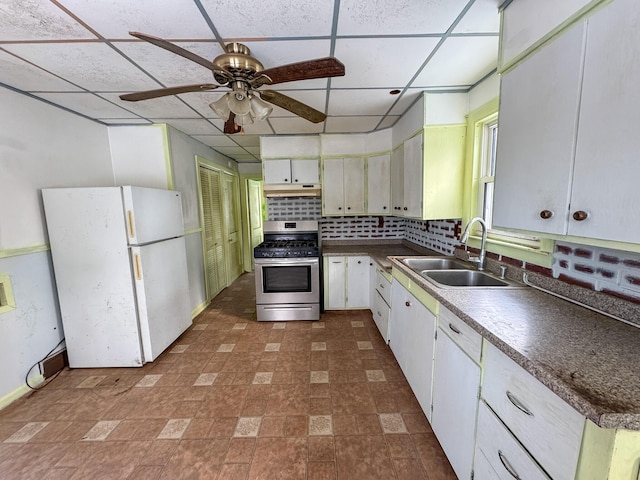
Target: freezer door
152, 214
93, 276
162, 292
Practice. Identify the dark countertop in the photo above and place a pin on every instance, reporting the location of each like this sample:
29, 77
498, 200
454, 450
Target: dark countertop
589, 360
378, 250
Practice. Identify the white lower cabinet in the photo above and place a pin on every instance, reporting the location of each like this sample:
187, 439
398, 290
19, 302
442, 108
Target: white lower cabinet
498, 453
548, 428
346, 282
412, 339
380, 288
455, 392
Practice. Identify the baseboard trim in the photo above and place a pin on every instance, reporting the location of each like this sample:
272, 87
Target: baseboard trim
22, 390
199, 309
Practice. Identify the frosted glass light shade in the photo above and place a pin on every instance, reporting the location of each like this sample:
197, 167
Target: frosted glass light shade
260, 109
239, 107
221, 107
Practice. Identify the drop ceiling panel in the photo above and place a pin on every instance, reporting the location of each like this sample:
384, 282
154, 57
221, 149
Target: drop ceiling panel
87, 104
200, 101
482, 17
38, 20
93, 66
406, 100
293, 125
188, 125
232, 151
171, 19
217, 140
125, 121
351, 124
460, 61
257, 18
168, 68
380, 17
26, 77
365, 102
247, 141
162, 107
258, 128
381, 62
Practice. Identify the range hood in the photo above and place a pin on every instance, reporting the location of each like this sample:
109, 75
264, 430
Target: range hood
292, 190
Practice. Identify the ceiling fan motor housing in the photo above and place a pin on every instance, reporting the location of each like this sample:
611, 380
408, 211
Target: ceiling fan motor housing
237, 61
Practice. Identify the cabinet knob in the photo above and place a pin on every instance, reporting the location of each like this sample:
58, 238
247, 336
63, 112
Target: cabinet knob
296, 180
580, 215
339, 208
407, 304
286, 179
546, 214
348, 208
405, 208
384, 208
359, 262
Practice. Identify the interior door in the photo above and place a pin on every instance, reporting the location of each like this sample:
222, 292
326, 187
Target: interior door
232, 226
254, 196
212, 232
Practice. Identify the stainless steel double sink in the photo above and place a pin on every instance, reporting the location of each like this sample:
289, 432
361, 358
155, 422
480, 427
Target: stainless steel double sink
447, 272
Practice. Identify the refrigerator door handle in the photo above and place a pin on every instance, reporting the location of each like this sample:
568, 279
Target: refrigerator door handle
132, 230
138, 267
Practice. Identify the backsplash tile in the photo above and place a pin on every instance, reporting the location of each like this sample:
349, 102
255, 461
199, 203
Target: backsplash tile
364, 227
294, 208
601, 269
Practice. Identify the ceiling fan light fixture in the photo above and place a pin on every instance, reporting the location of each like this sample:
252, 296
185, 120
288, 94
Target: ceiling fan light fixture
238, 106
221, 107
243, 120
259, 108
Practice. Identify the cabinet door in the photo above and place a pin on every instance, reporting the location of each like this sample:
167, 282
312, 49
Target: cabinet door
304, 171
353, 185
420, 341
413, 177
398, 320
358, 282
536, 133
373, 273
455, 404
378, 185
397, 181
335, 287
332, 186
606, 166
277, 171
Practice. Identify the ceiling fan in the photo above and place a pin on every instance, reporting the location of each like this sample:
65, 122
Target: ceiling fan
244, 74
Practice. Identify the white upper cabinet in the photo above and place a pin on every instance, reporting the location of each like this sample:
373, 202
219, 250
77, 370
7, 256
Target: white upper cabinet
523, 25
378, 185
607, 167
413, 177
343, 186
397, 181
291, 171
290, 160
568, 140
538, 110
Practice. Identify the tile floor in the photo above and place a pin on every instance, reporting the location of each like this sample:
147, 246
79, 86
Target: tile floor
232, 399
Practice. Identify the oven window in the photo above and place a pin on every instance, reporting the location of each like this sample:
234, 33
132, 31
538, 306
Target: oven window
283, 279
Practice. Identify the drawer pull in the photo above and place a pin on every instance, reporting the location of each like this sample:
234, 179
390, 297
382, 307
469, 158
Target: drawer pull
507, 466
407, 304
454, 329
518, 404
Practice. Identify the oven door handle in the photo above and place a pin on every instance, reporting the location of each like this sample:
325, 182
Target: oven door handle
288, 308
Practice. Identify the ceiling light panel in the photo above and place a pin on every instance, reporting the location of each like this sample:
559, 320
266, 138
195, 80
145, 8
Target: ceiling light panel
20, 74
460, 61
403, 57
94, 66
170, 19
393, 17
37, 20
257, 18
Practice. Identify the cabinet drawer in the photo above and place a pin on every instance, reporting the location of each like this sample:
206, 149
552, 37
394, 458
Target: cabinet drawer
465, 337
498, 453
547, 427
380, 311
383, 286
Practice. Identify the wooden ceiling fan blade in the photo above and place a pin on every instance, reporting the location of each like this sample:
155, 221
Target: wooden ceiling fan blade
159, 42
163, 92
293, 106
319, 68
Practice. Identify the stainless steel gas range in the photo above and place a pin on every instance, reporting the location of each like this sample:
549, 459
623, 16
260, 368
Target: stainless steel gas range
287, 269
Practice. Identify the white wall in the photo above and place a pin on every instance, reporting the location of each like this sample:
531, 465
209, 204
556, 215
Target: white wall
485, 91
40, 146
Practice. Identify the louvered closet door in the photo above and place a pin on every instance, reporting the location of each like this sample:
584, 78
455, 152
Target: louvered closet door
213, 232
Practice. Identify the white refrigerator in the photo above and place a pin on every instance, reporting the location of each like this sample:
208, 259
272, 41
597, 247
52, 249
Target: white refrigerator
120, 267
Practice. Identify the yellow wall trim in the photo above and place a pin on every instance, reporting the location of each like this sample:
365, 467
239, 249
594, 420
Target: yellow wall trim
192, 231
20, 391
199, 309
23, 251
